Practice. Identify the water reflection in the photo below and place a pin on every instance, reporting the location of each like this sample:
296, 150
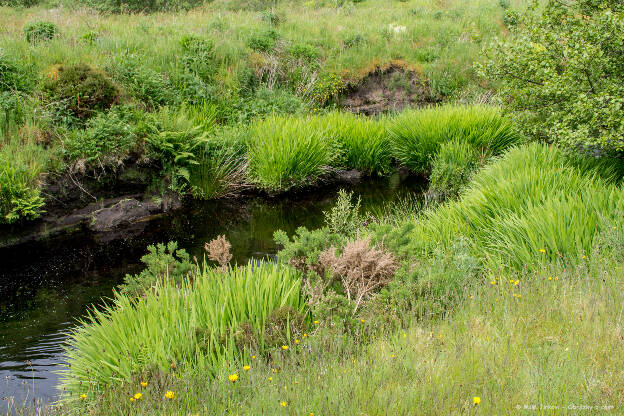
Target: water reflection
46, 286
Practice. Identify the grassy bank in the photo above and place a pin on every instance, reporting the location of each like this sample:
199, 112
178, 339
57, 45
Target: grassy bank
96, 96
462, 318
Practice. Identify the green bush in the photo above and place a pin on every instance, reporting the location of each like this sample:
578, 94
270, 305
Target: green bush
263, 41
82, 89
192, 324
452, 167
163, 263
40, 31
14, 77
287, 152
107, 138
417, 135
559, 69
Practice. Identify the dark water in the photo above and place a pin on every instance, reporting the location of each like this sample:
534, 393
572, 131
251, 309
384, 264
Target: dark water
46, 286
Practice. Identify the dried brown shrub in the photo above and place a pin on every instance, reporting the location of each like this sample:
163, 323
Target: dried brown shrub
218, 250
362, 268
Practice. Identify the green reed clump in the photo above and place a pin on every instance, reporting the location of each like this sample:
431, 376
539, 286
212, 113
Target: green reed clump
363, 141
287, 152
452, 167
417, 135
532, 205
194, 324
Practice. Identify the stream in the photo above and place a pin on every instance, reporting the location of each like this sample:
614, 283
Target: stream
47, 286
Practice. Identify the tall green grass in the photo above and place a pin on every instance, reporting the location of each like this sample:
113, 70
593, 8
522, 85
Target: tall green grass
417, 135
534, 204
363, 141
286, 152
192, 325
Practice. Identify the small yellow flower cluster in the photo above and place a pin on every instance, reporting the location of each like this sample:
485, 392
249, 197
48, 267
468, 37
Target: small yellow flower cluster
233, 377
169, 395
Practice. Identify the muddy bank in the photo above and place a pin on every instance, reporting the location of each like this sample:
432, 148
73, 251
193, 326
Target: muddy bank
387, 88
117, 206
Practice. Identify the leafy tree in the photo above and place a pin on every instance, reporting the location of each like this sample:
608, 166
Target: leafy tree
562, 72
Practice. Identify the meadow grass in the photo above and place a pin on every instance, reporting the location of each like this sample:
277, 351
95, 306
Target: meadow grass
549, 336
193, 325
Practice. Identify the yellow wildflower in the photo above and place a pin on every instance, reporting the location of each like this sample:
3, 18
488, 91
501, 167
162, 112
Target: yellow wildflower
83, 396
246, 367
169, 394
471, 297
284, 347
131, 399
549, 277
233, 377
144, 384
517, 282
315, 322
137, 396
296, 341
253, 357
284, 404
270, 378
542, 250
305, 335
476, 400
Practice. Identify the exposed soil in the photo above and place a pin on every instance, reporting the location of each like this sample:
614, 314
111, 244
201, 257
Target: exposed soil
388, 89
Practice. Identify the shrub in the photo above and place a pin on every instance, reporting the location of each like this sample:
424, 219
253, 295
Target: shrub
452, 167
287, 152
83, 89
283, 326
263, 41
163, 263
344, 217
363, 269
417, 135
40, 31
107, 138
558, 70
191, 324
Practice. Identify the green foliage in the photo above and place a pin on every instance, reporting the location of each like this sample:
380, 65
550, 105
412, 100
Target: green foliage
306, 245
173, 138
561, 70
364, 142
191, 324
20, 166
40, 31
82, 89
222, 166
344, 217
140, 6
107, 138
163, 263
417, 135
287, 152
14, 77
452, 167
283, 326
143, 83
524, 209
263, 41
